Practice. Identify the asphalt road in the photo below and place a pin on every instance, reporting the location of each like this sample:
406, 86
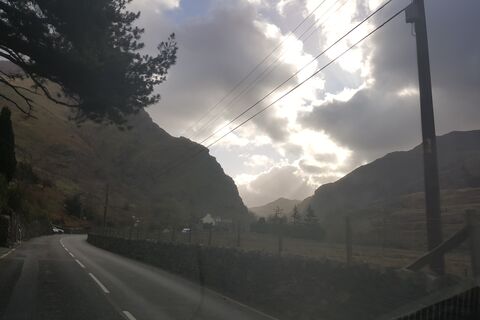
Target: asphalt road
64, 277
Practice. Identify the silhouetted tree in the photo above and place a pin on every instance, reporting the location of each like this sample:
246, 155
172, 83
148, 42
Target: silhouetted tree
310, 216
296, 215
277, 217
73, 206
91, 48
8, 161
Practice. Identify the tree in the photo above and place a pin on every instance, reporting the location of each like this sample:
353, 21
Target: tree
310, 217
91, 48
8, 161
278, 215
296, 215
73, 206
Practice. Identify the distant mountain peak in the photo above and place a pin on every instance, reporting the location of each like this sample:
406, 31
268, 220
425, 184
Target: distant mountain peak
401, 173
286, 205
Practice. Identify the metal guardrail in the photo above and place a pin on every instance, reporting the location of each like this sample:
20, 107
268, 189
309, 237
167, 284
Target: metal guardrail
462, 306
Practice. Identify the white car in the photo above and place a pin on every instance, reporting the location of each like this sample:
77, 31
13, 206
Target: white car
57, 230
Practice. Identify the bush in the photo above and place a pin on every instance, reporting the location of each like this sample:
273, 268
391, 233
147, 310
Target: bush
24, 173
75, 207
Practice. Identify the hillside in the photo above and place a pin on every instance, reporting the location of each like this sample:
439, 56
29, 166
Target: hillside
83, 159
392, 186
286, 205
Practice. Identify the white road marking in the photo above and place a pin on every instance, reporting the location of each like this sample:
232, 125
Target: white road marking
99, 283
6, 254
242, 305
129, 315
80, 264
71, 254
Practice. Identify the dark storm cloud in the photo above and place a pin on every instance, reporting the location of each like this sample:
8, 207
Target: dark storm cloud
377, 120
274, 127
214, 53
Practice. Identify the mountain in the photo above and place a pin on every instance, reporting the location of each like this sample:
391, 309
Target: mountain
135, 163
393, 185
286, 205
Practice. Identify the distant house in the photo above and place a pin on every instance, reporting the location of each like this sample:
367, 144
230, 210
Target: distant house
218, 222
208, 219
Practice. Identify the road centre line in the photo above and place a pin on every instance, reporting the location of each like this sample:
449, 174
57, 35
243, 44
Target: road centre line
99, 283
129, 315
80, 264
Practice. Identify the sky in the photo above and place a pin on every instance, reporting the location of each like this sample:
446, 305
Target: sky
357, 109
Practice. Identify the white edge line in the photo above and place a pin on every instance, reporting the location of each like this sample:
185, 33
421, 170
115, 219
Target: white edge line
80, 264
99, 283
71, 254
6, 254
241, 304
129, 315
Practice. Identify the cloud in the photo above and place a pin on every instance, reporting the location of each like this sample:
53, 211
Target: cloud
155, 4
258, 160
386, 116
278, 182
215, 52
356, 110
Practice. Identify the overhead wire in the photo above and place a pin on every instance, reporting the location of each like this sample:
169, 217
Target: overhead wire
298, 71
239, 83
270, 68
308, 78
205, 148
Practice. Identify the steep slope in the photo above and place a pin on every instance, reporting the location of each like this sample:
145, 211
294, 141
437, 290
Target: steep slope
392, 188
286, 205
84, 159
401, 173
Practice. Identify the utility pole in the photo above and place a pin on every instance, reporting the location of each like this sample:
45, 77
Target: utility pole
415, 13
348, 241
105, 207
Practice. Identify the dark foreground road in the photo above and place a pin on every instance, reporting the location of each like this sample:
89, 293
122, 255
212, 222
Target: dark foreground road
64, 277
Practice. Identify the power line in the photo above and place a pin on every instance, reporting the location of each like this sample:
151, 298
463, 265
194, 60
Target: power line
298, 71
270, 68
310, 77
238, 84
203, 149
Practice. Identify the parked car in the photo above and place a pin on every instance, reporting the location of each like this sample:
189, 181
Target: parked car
186, 230
57, 230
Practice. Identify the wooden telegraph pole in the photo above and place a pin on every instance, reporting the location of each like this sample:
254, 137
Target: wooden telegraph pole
105, 207
415, 13
348, 241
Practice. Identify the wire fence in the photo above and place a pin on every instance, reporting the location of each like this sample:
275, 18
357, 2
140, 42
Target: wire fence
390, 252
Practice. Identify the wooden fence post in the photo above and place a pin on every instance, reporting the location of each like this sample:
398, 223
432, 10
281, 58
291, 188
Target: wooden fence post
473, 223
210, 236
280, 240
348, 240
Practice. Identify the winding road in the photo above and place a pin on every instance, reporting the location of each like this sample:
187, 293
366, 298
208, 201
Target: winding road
64, 277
